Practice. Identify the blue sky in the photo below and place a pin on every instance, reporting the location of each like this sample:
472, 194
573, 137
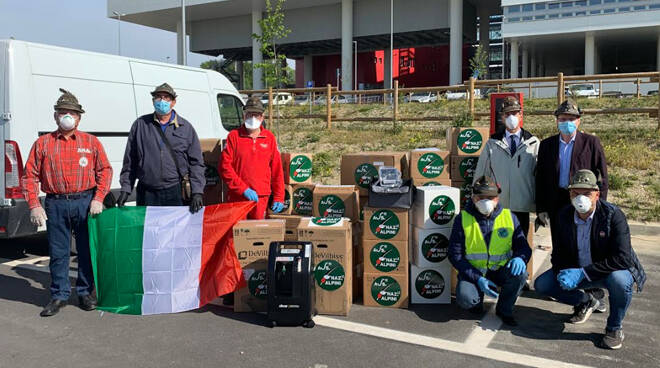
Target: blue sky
82, 24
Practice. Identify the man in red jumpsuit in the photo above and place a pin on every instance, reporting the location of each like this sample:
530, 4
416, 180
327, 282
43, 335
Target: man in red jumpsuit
251, 165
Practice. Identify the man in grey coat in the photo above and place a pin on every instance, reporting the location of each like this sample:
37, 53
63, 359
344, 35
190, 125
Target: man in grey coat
154, 142
509, 158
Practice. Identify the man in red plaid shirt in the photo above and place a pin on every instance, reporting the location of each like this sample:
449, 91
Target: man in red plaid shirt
74, 172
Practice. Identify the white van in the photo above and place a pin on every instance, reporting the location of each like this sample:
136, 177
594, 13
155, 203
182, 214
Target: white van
113, 90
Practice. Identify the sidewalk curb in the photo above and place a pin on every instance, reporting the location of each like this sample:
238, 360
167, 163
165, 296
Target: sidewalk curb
641, 228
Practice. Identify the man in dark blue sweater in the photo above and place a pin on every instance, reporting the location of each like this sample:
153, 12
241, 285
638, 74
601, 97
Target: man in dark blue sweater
489, 249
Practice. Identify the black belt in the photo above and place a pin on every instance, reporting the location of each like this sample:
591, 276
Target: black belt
77, 195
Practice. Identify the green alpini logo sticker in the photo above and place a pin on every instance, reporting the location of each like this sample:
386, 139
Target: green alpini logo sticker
287, 200
442, 210
384, 257
385, 291
366, 174
469, 141
431, 184
257, 285
435, 247
329, 275
430, 165
467, 166
429, 284
325, 221
331, 206
384, 224
300, 168
302, 201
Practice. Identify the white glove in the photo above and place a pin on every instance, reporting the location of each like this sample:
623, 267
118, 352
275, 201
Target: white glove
544, 218
95, 208
38, 216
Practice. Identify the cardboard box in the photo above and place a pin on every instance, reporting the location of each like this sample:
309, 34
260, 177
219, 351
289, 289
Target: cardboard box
429, 164
385, 290
361, 169
297, 167
429, 247
302, 199
212, 153
436, 206
432, 182
466, 191
253, 237
454, 280
253, 297
384, 256
463, 167
336, 201
288, 190
385, 224
468, 141
333, 262
291, 225
430, 285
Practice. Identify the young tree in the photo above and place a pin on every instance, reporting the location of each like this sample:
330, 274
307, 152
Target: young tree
479, 63
273, 30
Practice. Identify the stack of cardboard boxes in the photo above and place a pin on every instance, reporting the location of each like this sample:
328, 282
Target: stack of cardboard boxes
433, 216
430, 166
252, 239
385, 255
465, 145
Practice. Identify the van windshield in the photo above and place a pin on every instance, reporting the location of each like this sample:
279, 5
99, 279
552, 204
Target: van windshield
231, 111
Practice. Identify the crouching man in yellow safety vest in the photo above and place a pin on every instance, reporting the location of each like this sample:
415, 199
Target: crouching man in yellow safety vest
489, 250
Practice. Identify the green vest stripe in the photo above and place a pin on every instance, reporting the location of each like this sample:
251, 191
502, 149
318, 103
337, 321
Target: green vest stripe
498, 252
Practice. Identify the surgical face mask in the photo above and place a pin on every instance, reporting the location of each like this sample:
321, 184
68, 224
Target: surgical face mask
567, 127
67, 122
582, 203
252, 123
162, 107
511, 122
485, 206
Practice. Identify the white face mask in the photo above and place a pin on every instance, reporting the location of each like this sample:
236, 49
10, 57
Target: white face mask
67, 122
252, 123
582, 203
511, 122
485, 206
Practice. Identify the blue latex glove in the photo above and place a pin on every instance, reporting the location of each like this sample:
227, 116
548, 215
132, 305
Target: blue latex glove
517, 266
277, 207
570, 278
485, 287
251, 195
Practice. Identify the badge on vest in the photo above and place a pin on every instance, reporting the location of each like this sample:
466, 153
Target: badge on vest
502, 232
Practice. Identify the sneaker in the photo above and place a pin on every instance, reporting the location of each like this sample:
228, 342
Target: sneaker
583, 311
600, 295
612, 339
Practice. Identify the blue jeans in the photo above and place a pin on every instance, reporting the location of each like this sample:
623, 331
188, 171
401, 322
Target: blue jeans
468, 294
619, 285
67, 216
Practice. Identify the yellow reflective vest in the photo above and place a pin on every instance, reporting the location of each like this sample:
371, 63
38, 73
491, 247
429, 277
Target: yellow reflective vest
498, 252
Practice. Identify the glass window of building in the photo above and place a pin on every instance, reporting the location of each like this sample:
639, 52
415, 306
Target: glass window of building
580, 14
540, 6
595, 2
516, 19
654, 6
592, 12
525, 19
567, 4
553, 6
640, 7
609, 1
528, 7
608, 11
514, 9
539, 17
552, 16
581, 3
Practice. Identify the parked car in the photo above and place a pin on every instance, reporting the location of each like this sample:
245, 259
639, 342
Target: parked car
279, 98
461, 95
652, 93
321, 100
582, 90
301, 99
613, 94
422, 97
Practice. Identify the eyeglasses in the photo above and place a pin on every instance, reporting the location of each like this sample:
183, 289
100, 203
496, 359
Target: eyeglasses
165, 97
562, 120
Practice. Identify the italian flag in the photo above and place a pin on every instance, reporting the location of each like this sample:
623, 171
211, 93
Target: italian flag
150, 260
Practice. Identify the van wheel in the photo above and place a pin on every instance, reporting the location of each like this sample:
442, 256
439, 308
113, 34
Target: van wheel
309, 324
273, 324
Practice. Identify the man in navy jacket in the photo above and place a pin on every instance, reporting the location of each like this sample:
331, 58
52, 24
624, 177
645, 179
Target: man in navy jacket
489, 249
592, 249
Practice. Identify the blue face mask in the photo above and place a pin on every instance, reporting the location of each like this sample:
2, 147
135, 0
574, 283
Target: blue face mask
162, 107
567, 127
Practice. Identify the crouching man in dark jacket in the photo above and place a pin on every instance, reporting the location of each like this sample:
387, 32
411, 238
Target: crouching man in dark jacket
593, 251
489, 249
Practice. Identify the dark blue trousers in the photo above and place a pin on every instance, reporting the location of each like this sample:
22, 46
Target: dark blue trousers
468, 294
67, 217
158, 197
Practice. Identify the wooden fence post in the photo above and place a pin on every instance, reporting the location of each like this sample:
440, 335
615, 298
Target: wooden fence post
560, 88
658, 100
328, 106
270, 107
471, 97
395, 97
498, 88
530, 90
600, 88
639, 84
